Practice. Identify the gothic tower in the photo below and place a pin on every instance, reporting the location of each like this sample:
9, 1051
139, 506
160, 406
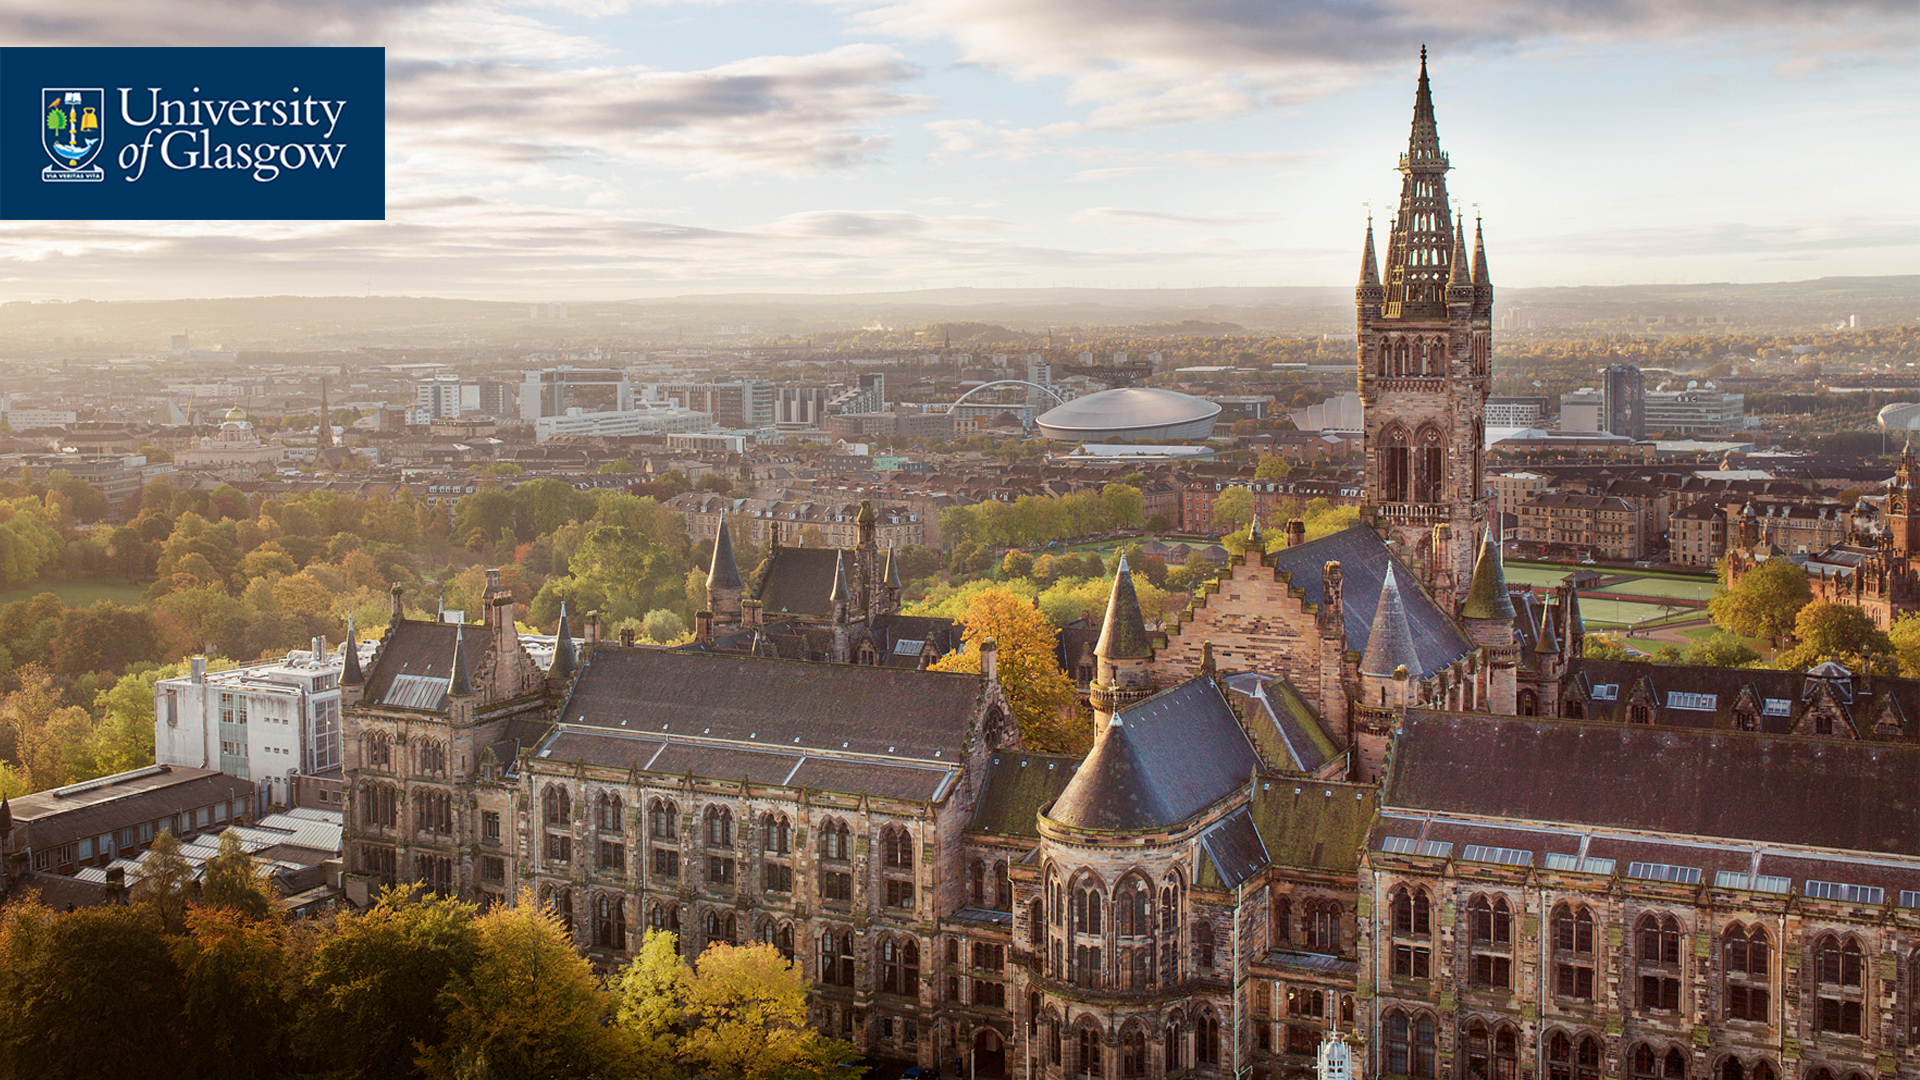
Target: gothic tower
1425, 332
1903, 517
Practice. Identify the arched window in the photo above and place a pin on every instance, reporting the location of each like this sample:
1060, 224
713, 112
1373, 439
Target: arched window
779, 935
1839, 972
835, 840
1395, 456
379, 750
559, 900
1130, 907
556, 806
1430, 465
664, 917
1412, 931
609, 812
899, 966
1203, 944
1573, 958
1748, 964
1206, 1038
896, 848
609, 922
1087, 905
1037, 925
1133, 1052
663, 819
1087, 1051
1410, 1043
1573, 1059
1647, 1063
1002, 886
1490, 927
1170, 1044
836, 958
977, 882
776, 834
1282, 919
1659, 956
1322, 924
719, 826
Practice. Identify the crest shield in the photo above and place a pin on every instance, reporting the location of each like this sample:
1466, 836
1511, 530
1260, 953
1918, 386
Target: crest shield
72, 131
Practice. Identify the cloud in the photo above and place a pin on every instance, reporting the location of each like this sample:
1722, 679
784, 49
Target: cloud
1734, 238
877, 223
1090, 175
1112, 217
1146, 62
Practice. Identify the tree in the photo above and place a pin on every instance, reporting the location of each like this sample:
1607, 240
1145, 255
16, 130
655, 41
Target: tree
89, 993
1041, 698
1016, 564
165, 881
374, 984
487, 512
527, 1007
233, 969
1721, 650
1272, 467
232, 879
741, 1014
662, 626
1123, 504
1840, 632
1905, 638
1232, 508
1763, 602
1607, 647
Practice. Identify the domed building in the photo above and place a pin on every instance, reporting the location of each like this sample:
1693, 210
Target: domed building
1900, 416
1131, 413
237, 449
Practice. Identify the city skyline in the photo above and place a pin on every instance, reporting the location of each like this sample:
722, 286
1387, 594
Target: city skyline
596, 149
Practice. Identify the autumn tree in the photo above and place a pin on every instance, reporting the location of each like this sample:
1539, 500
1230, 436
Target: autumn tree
237, 1014
1764, 602
528, 1006
1037, 690
1839, 632
233, 879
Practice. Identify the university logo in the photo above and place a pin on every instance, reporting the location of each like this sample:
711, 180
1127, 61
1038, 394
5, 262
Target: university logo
72, 130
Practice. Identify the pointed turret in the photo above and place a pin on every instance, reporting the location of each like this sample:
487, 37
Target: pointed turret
1480, 278
1369, 264
867, 521
1549, 643
1487, 594
350, 674
1458, 274
842, 595
724, 571
1390, 639
1123, 636
458, 682
893, 571
565, 661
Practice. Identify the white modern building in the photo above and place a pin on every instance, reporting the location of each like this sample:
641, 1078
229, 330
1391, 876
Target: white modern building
1695, 411
267, 722
645, 418
437, 399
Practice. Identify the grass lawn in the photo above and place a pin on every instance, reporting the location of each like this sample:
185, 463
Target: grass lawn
1678, 588
1536, 573
1702, 633
80, 593
1617, 612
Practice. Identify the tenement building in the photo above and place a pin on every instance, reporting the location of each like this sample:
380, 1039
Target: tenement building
1359, 786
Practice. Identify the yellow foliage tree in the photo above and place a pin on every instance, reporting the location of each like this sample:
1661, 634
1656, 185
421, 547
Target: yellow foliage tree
1041, 697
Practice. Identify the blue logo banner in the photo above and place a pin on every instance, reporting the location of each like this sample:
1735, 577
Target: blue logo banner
193, 134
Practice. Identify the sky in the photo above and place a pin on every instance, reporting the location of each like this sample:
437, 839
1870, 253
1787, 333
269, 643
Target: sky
574, 150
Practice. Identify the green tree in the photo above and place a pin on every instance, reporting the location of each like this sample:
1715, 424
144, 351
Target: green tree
1607, 647
1272, 467
527, 1007
1838, 632
374, 984
662, 626
1016, 564
232, 879
1123, 504
237, 1014
1232, 508
1721, 650
487, 514
165, 881
89, 993
1764, 603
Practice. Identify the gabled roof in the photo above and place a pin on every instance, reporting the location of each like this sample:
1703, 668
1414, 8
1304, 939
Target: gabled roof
420, 650
1159, 762
1364, 559
1018, 787
1320, 824
799, 581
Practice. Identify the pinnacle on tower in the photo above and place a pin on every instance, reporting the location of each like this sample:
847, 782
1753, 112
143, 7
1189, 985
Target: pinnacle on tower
6, 816
1480, 278
1424, 141
1123, 635
842, 593
564, 658
350, 675
1457, 274
723, 572
1390, 641
1420, 247
1487, 595
1369, 265
1548, 644
458, 682
893, 571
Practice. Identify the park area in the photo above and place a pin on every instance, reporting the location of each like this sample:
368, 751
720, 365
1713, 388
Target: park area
1643, 595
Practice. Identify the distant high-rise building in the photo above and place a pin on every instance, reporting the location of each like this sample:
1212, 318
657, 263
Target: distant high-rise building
1623, 405
437, 399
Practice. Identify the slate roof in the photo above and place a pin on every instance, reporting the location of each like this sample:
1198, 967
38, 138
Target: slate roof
1850, 796
1709, 696
1487, 592
723, 572
1159, 762
1363, 559
1389, 635
45, 819
1123, 635
1285, 729
778, 703
799, 580
422, 648
1018, 787
1234, 851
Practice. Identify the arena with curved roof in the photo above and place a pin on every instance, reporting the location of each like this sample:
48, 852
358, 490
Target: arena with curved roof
1131, 413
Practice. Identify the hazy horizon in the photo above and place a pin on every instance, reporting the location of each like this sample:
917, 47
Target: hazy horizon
607, 150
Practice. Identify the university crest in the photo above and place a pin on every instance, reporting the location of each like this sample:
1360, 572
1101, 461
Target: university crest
72, 130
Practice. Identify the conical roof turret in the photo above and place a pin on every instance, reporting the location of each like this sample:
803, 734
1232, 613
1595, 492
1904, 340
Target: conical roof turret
842, 592
1458, 273
1480, 278
459, 682
1549, 642
565, 660
1487, 594
893, 571
1369, 265
1390, 639
1123, 636
724, 571
350, 673
6, 816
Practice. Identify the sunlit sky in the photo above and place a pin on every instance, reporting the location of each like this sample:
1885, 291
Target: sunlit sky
601, 149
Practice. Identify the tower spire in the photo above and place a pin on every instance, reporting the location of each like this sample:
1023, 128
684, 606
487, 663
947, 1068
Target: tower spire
1420, 250
1480, 278
1457, 275
1369, 265
724, 571
350, 656
458, 682
1123, 635
1390, 640
1424, 141
564, 659
1487, 595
